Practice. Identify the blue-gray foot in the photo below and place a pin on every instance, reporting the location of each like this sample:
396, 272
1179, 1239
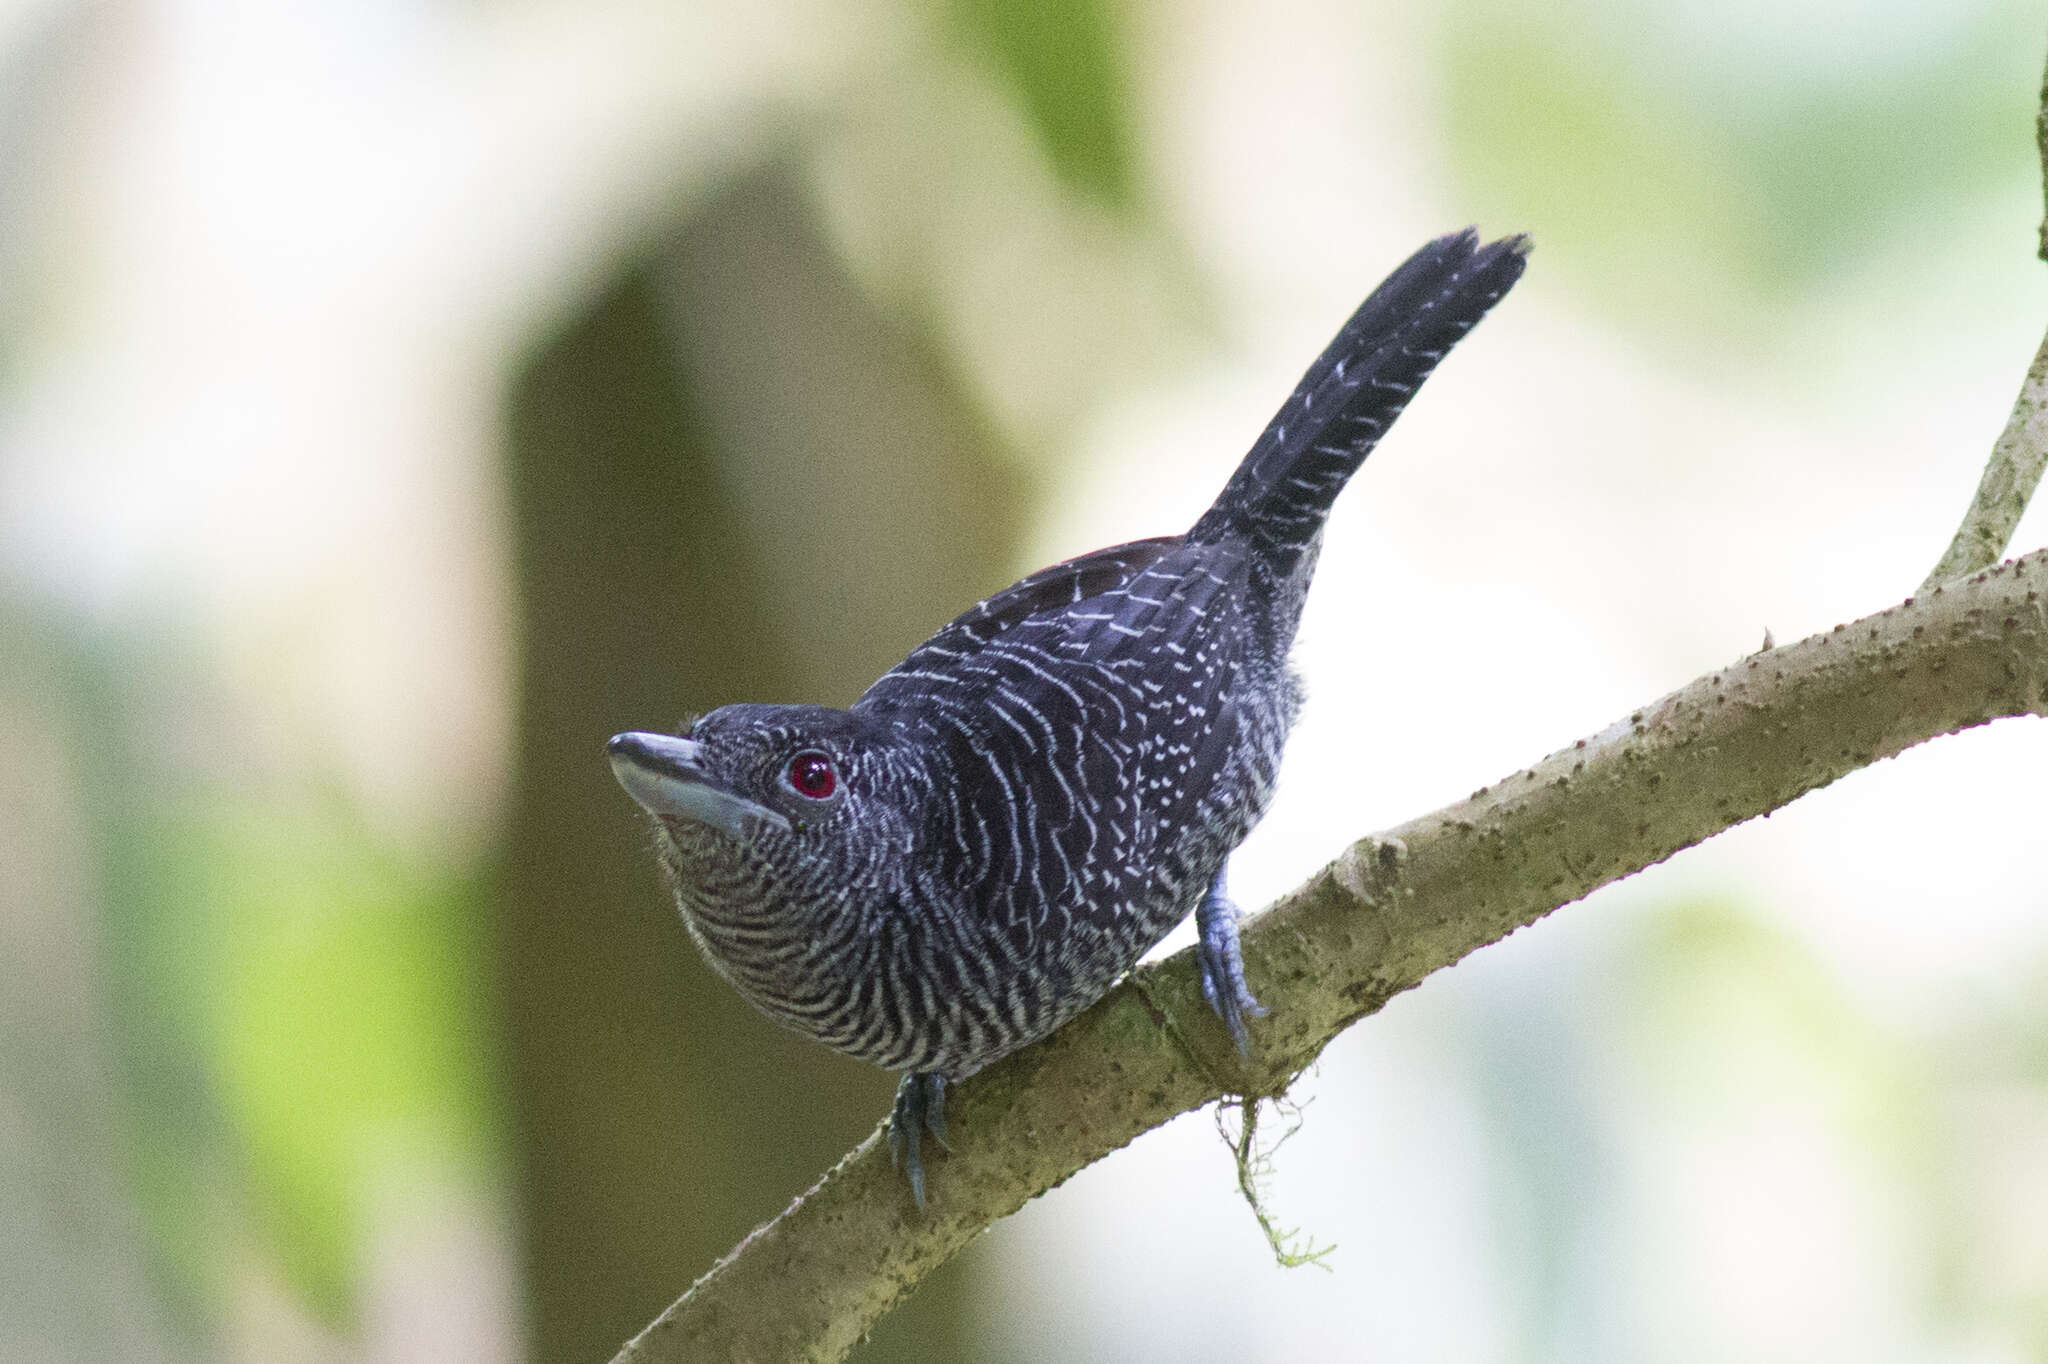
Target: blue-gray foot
920, 1107
1222, 960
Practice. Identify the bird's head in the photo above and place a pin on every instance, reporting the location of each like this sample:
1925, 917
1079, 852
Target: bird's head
780, 801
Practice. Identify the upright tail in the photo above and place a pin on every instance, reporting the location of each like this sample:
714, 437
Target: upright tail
1282, 491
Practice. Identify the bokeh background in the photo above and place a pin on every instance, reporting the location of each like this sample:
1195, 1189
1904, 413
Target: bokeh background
399, 396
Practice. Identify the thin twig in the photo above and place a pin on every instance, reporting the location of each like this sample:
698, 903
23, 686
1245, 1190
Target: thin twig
2013, 471
2011, 475
2041, 150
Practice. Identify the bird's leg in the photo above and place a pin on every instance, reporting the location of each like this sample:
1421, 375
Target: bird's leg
920, 1107
1223, 965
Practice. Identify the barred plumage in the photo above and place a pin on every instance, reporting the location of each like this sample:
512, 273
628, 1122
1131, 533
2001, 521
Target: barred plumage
977, 848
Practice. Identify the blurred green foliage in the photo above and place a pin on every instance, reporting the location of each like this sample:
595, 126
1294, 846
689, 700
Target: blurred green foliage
310, 1016
296, 1008
1673, 160
346, 1017
1064, 61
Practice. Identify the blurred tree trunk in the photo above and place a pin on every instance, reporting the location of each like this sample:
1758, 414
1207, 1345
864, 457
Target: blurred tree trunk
731, 479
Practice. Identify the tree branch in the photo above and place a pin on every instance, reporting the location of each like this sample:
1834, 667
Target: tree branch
1738, 743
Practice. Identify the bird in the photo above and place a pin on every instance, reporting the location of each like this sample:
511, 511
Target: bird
981, 845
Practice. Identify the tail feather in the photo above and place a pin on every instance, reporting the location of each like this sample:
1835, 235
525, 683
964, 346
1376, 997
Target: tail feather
1283, 489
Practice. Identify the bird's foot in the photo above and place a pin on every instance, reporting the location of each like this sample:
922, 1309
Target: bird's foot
1222, 960
920, 1107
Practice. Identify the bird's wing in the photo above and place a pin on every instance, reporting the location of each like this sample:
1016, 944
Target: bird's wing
1047, 592
1084, 706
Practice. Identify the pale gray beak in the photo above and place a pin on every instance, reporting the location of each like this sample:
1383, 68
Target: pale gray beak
666, 776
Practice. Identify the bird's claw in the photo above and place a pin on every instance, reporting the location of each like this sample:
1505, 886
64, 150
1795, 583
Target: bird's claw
1222, 959
920, 1108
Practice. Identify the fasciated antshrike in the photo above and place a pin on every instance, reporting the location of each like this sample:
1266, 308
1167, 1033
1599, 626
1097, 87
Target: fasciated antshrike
1011, 816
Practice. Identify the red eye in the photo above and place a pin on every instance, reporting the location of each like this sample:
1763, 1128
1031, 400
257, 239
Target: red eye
812, 775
